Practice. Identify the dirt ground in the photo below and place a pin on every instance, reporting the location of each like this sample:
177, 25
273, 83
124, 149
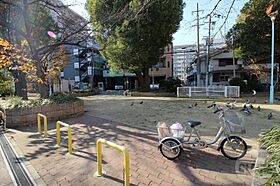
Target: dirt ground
146, 112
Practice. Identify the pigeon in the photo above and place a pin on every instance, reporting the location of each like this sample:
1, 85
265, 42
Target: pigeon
259, 108
251, 106
212, 105
265, 101
132, 103
269, 116
231, 105
141, 102
195, 104
247, 111
190, 106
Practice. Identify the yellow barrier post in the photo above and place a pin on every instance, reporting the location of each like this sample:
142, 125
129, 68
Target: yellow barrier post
119, 148
58, 123
39, 116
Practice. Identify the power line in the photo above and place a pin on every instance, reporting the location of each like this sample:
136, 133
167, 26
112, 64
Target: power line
230, 8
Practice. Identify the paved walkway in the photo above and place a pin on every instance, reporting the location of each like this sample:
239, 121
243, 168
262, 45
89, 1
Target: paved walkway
148, 167
5, 179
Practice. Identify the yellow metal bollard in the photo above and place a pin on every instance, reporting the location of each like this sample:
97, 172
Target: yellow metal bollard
119, 148
58, 123
39, 116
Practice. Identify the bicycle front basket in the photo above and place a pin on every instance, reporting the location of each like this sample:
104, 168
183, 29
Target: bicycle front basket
235, 122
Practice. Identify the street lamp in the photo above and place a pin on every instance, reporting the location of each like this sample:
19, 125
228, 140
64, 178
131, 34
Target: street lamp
272, 15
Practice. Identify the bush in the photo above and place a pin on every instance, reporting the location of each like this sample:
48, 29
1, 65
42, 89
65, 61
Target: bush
238, 82
170, 85
58, 98
62, 98
5, 85
271, 141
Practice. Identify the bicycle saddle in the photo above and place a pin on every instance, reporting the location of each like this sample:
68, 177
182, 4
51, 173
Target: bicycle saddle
193, 124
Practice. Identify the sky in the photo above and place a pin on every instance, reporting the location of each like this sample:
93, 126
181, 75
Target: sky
187, 31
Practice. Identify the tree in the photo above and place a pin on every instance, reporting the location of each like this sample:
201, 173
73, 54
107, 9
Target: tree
252, 33
134, 33
30, 20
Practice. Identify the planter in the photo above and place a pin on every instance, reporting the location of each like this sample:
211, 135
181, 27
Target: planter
28, 116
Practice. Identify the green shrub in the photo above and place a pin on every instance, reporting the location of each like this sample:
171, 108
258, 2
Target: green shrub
17, 102
62, 98
271, 168
238, 82
170, 85
14, 101
5, 84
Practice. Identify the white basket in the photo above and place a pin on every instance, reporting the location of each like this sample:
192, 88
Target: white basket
235, 122
165, 131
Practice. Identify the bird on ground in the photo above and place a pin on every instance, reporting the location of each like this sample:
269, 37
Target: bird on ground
190, 106
212, 105
141, 102
251, 106
265, 101
259, 108
231, 105
132, 103
195, 104
269, 116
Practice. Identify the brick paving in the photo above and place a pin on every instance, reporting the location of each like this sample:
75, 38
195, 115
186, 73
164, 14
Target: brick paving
148, 166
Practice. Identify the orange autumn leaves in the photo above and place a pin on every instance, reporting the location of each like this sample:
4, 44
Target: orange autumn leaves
17, 57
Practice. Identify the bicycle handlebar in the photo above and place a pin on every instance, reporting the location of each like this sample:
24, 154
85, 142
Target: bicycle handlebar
220, 109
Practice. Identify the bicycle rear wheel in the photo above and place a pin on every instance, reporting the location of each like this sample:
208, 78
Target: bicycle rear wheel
233, 147
170, 149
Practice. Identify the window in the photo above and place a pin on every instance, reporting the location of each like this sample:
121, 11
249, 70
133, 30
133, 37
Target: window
75, 51
225, 62
76, 65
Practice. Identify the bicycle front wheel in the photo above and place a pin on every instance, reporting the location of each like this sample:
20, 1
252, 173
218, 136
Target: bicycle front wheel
233, 147
170, 148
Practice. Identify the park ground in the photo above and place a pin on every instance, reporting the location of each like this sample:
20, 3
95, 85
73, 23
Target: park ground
131, 121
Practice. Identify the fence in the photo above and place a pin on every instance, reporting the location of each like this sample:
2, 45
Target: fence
39, 116
58, 123
119, 148
225, 91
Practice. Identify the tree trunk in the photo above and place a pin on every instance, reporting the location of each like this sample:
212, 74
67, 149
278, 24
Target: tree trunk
20, 84
42, 88
144, 79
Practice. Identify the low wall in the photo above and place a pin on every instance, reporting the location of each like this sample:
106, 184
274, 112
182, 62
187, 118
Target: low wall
152, 94
27, 116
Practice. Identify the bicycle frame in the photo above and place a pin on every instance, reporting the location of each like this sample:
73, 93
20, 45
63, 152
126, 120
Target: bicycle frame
195, 131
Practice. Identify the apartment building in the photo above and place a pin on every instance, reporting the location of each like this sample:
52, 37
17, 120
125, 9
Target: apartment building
85, 66
163, 69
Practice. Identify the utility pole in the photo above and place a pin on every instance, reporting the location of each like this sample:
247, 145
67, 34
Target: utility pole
198, 46
209, 41
233, 59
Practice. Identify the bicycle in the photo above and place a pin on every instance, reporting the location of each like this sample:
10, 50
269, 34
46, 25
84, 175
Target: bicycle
231, 146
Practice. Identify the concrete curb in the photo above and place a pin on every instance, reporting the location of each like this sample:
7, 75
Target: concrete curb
33, 173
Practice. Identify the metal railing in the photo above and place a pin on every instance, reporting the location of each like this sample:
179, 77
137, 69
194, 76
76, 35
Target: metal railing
58, 123
39, 116
119, 148
213, 91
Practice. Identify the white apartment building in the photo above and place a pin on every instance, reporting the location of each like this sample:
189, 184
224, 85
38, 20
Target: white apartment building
183, 57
